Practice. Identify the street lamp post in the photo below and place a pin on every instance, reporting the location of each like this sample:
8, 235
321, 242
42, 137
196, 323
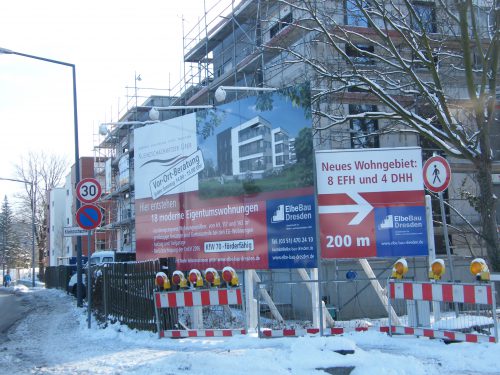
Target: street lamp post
33, 202
77, 158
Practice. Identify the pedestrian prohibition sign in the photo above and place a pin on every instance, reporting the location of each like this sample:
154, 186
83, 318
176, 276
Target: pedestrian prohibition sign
437, 174
89, 217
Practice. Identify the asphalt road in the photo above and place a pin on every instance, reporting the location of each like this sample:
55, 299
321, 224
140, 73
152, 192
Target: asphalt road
12, 308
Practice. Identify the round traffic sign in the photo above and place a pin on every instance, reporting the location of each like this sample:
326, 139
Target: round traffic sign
89, 216
88, 190
437, 174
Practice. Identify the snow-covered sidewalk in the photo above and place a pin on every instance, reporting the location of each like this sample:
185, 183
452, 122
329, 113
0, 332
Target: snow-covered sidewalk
54, 339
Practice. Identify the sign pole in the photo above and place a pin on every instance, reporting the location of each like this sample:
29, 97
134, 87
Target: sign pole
88, 217
445, 235
437, 176
89, 281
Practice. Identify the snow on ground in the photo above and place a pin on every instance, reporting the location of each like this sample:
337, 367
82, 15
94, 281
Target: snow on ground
54, 339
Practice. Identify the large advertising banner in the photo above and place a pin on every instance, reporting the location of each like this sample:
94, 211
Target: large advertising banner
230, 186
371, 203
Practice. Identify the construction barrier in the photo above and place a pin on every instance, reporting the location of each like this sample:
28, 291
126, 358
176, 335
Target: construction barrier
201, 313
315, 331
460, 312
347, 306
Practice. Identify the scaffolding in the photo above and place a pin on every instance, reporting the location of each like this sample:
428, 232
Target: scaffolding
225, 47
114, 166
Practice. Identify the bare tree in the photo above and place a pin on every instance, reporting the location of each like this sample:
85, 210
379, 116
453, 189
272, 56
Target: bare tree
430, 68
46, 172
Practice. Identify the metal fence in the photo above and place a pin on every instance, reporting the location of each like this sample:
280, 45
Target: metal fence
121, 292
296, 310
124, 292
58, 276
449, 311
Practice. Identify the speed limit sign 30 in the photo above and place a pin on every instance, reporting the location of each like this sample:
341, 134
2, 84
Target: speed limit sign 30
88, 190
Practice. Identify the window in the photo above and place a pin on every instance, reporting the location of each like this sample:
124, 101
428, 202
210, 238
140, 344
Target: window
67, 220
353, 15
363, 130
125, 237
67, 249
101, 244
280, 25
225, 67
426, 11
357, 53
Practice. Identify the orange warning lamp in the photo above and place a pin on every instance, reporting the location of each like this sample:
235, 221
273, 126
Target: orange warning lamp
162, 281
480, 270
195, 278
399, 269
178, 279
212, 277
229, 276
437, 269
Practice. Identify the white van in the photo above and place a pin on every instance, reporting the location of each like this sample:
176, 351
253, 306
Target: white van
98, 257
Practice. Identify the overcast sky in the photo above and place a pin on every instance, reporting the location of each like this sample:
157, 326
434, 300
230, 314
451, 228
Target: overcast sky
108, 41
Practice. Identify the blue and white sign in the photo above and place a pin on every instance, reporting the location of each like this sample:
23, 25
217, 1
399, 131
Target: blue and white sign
401, 231
291, 232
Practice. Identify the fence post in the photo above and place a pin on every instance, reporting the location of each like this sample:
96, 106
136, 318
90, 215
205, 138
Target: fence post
249, 302
389, 306
158, 328
494, 310
104, 294
259, 286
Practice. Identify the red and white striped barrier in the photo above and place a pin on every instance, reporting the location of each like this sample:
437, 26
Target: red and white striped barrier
444, 335
431, 333
204, 297
197, 299
202, 333
442, 292
479, 294
314, 331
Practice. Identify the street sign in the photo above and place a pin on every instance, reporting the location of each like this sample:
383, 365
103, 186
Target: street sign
89, 217
371, 203
74, 232
437, 174
88, 190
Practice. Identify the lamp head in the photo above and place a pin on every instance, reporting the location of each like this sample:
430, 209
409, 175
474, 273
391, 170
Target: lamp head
5, 51
437, 269
103, 129
154, 114
220, 94
399, 269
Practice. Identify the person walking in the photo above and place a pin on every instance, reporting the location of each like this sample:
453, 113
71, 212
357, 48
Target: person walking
7, 279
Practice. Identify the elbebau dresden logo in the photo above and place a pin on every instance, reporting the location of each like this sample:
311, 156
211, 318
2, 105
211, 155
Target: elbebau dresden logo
290, 212
401, 221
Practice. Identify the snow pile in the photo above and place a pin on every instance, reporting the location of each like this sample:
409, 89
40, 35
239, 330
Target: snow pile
54, 339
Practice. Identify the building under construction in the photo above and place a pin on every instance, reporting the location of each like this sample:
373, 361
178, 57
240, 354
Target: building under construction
241, 44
